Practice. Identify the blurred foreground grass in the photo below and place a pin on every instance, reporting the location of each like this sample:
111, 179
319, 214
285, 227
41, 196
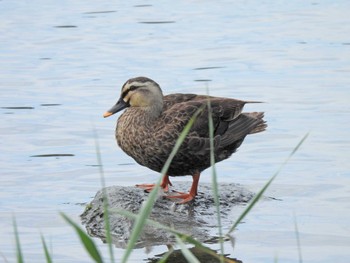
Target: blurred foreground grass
141, 219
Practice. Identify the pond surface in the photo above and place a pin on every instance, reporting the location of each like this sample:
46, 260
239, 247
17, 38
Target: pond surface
63, 64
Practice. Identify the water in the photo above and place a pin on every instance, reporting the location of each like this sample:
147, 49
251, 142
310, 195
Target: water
62, 66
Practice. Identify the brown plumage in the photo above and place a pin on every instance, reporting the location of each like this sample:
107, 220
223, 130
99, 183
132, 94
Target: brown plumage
151, 124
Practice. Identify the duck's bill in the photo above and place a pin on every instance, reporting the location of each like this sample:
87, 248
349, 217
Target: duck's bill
120, 105
107, 114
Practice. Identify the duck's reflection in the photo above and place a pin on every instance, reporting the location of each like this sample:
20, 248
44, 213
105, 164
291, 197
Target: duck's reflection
176, 256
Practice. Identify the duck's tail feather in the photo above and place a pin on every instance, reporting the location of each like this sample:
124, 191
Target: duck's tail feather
260, 124
244, 124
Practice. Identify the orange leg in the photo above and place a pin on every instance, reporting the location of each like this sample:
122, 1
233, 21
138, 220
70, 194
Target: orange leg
193, 191
164, 185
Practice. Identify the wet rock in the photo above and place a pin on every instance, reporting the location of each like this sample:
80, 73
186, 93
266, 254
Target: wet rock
197, 218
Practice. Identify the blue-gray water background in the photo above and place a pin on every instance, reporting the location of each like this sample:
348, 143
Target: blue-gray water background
65, 61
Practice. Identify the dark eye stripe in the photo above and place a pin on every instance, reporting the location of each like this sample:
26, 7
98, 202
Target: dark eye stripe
127, 91
132, 87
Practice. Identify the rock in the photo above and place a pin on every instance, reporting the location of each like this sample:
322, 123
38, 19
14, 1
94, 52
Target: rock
197, 218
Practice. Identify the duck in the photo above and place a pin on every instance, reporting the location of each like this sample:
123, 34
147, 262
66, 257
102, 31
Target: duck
151, 124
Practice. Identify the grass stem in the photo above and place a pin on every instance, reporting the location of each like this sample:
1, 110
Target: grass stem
146, 207
298, 239
18, 244
105, 198
214, 175
261, 192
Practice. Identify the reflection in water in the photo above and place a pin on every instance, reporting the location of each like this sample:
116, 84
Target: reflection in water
66, 26
18, 108
157, 22
53, 155
204, 68
176, 256
50, 104
99, 12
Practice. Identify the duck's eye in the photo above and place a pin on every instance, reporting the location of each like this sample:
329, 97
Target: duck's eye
133, 87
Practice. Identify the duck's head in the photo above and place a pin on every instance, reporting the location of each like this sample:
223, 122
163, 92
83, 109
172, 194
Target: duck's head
138, 92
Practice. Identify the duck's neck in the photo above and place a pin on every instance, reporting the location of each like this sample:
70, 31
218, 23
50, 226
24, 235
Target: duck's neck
153, 111
144, 116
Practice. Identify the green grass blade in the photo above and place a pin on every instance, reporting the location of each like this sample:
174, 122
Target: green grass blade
214, 175
261, 192
47, 254
251, 205
105, 198
180, 140
165, 257
85, 240
298, 239
18, 244
145, 210
107, 225
146, 207
185, 251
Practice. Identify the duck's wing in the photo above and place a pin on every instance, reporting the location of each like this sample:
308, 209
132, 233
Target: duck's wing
229, 123
173, 99
223, 111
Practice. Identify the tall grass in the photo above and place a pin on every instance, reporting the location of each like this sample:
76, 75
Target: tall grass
298, 239
46, 251
87, 241
141, 219
105, 198
147, 206
18, 244
257, 197
245, 212
214, 176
